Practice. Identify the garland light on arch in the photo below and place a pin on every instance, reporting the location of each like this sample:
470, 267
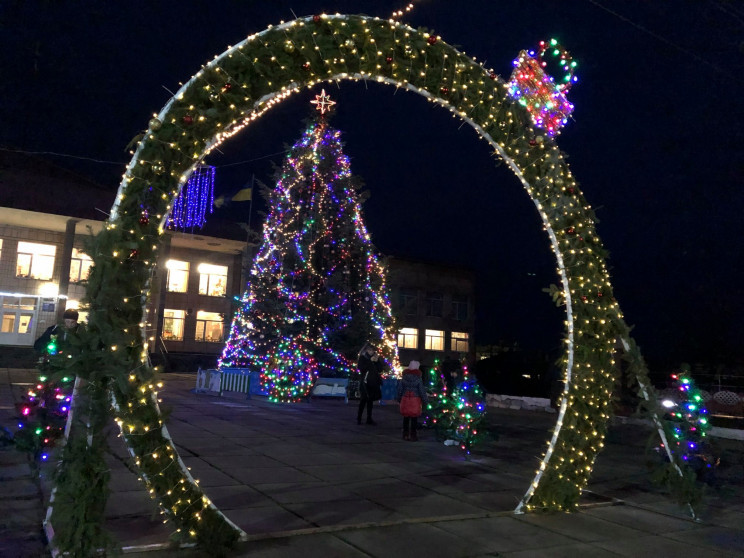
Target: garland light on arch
241, 85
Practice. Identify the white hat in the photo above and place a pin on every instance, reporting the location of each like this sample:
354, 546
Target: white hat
413, 365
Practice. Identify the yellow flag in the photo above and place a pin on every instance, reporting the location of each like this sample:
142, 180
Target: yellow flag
246, 194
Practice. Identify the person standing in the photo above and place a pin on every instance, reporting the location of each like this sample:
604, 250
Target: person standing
56, 335
370, 382
411, 396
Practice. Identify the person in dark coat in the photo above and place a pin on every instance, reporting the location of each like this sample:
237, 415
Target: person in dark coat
411, 383
370, 381
58, 333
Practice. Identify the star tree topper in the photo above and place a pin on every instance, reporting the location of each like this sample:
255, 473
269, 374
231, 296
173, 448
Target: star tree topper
323, 102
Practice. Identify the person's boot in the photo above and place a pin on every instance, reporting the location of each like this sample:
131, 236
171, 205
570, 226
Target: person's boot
406, 436
359, 419
414, 436
370, 421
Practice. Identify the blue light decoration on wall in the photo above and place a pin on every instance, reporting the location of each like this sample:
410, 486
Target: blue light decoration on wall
194, 200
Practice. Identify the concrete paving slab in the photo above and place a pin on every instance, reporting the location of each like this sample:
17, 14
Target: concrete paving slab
235, 497
308, 546
380, 489
656, 547
582, 527
641, 519
563, 551
429, 506
406, 541
208, 475
714, 538
270, 475
140, 530
503, 534
294, 493
343, 473
249, 461
349, 512
131, 503
501, 501
267, 519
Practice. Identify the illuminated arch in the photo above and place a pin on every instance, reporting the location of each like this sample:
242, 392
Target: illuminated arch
239, 86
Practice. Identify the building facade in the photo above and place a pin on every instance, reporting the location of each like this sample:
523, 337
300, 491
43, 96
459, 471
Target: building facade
434, 306
43, 268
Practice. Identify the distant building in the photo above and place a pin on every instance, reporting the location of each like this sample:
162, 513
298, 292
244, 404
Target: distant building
434, 305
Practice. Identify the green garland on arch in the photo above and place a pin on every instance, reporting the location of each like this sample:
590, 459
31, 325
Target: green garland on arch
239, 86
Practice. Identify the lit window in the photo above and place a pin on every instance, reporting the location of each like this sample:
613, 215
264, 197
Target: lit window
79, 266
173, 324
75, 305
209, 327
408, 338
212, 279
459, 342
434, 340
35, 261
178, 276
1, 248
434, 304
8, 323
460, 308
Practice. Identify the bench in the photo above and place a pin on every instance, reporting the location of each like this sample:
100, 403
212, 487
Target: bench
330, 387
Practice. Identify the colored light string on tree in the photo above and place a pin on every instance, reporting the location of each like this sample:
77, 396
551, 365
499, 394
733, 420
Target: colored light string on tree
537, 91
457, 411
196, 198
688, 421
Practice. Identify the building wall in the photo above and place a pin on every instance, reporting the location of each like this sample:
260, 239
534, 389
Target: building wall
43, 301
413, 287
39, 298
191, 302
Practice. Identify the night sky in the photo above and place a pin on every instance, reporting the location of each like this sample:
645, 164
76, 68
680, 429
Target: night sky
655, 142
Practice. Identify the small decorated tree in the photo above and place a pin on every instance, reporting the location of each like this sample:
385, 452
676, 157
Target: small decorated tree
43, 414
688, 425
458, 416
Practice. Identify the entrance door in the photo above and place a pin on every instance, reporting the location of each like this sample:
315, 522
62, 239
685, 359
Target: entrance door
18, 316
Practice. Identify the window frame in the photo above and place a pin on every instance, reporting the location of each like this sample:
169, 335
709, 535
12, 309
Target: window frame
204, 323
179, 316
434, 299
429, 338
408, 333
83, 264
35, 260
455, 342
408, 300
206, 270
173, 266
460, 303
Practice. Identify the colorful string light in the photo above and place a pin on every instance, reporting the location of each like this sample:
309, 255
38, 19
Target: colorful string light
457, 415
537, 91
316, 282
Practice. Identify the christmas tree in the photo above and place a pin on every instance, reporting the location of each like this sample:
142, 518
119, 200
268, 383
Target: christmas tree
688, 423
457, 413
317, 289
